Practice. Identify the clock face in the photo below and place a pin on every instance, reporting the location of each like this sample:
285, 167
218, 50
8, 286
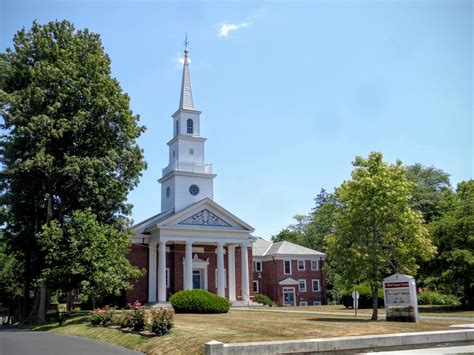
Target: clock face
193, 189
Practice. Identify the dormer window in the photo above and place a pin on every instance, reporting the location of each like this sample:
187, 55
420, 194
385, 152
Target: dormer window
190, 126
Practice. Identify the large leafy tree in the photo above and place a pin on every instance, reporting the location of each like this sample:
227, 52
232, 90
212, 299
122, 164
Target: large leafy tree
69, 142
376, 231
432, 194
92, 251
453, 269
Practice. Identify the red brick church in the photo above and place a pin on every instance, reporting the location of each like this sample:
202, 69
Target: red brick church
196, 243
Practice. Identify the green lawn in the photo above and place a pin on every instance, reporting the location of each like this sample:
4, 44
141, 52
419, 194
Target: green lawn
441, 311
191, 331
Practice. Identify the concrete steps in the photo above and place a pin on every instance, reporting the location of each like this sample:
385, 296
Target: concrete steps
240, 304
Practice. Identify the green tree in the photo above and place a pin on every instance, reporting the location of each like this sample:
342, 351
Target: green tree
432, 194
94, 253
453, 234
289, 236
322, 221
376, 231
69, 142
10, 283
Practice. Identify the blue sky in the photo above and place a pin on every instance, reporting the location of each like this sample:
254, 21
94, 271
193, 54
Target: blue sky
290, 92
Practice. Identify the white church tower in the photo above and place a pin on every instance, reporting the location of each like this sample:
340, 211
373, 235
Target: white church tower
187, 178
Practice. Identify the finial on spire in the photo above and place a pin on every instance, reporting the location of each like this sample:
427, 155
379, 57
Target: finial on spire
186, 42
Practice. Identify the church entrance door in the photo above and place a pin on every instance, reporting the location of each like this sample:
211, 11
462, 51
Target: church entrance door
197, 279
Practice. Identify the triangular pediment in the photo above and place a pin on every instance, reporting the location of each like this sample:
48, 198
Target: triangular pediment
205, 218
205, 214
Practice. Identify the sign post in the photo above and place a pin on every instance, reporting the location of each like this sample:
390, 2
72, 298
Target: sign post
355, 301
401, 304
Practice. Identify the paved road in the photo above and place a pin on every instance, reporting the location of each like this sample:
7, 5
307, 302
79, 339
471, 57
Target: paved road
335, 313
14, 342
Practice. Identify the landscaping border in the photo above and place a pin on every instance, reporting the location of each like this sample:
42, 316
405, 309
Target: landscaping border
368, 343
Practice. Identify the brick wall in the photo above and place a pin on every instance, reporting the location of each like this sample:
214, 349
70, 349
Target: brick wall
273, 272
138, 256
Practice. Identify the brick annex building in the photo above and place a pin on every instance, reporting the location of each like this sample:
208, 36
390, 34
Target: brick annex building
194, 243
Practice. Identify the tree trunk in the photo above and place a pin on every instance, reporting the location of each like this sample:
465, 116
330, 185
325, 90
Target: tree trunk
69, 301
375, 302
93, 302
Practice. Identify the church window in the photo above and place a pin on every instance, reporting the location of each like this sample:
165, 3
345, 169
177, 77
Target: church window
174, 154
258, 266
314, 265
301, 265
177, 127
287, 267
190, 126
302, 285
255, 286
168, 192
191, 151
194, 189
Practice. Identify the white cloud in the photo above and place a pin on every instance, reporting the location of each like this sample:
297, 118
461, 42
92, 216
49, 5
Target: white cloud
229, 27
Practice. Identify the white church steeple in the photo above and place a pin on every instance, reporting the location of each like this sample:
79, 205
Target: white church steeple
186, 98
187, 178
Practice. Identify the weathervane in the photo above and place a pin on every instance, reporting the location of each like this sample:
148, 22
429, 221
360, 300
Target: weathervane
186, 42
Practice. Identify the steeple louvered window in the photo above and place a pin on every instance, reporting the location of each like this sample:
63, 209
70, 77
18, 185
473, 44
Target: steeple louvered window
190, 126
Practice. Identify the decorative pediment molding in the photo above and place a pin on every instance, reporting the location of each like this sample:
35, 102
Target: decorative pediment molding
205, 218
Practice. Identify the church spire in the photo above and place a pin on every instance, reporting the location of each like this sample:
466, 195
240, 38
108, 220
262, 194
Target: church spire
186, 98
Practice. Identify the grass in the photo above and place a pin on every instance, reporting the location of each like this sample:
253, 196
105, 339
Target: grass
191, 331
439, 311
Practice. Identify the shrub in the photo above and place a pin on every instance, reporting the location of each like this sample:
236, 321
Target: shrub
161, 321
436, 298
138, 317
102, 316
123, 319
198, 301
264, 299
365, 296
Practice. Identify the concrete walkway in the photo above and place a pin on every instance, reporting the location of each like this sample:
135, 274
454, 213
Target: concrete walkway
347, 314
14, 342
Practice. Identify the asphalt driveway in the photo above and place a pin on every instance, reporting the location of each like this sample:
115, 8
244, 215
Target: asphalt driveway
15, 342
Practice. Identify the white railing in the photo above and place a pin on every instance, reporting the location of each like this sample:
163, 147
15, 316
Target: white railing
188, 166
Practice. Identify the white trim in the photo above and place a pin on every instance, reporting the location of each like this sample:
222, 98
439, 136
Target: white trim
258, 263
299, 285
317, 265
284, 267
218, 209
255, 282
303, 303
316, 303
319, 285
298, 265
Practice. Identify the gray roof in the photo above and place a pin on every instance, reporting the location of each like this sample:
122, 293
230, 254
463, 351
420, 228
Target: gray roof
262, 247
186, 98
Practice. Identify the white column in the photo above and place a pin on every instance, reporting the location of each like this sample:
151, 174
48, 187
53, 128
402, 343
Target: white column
162, 272
231, 267
152, 272
220, 270
188, 266
245, 273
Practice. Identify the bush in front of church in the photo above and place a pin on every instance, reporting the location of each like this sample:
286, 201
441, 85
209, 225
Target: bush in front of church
198, 301
267, 301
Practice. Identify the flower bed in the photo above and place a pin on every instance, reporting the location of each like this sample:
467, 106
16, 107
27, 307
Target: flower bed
153, 323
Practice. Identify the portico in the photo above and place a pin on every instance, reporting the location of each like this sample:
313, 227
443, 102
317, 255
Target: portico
191, 263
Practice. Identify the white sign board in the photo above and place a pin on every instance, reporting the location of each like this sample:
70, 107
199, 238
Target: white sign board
401, 303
